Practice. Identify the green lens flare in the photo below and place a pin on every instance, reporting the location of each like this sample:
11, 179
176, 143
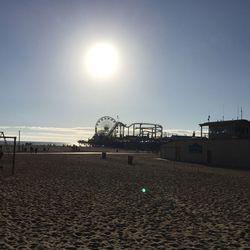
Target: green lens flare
143, 190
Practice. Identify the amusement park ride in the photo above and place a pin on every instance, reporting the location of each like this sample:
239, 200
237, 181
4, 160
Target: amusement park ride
109, 132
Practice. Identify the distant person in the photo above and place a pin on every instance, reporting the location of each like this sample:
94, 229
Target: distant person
36, 149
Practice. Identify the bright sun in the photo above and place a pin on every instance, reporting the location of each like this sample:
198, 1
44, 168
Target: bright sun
101, 60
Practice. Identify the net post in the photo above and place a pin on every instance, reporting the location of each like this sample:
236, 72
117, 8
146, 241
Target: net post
14, 156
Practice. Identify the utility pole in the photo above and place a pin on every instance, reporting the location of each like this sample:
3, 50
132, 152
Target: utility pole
223, 113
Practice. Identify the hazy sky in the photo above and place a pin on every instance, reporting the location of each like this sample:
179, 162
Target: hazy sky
180, 61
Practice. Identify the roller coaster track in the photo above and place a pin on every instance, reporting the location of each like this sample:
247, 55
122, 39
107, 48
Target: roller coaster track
154, 129
117, 124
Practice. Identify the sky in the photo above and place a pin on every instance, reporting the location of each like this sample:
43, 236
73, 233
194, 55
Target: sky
180, 61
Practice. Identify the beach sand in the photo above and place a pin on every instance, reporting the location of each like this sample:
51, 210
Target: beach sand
84, 202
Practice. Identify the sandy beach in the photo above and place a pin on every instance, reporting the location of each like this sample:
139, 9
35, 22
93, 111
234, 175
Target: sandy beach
84, 202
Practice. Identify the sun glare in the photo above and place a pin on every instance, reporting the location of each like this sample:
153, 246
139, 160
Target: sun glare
101, 60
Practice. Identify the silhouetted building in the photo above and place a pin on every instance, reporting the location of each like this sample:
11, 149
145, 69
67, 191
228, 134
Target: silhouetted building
227, 144
227, 129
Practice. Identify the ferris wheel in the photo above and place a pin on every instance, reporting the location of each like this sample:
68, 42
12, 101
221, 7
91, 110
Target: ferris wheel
104, 125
